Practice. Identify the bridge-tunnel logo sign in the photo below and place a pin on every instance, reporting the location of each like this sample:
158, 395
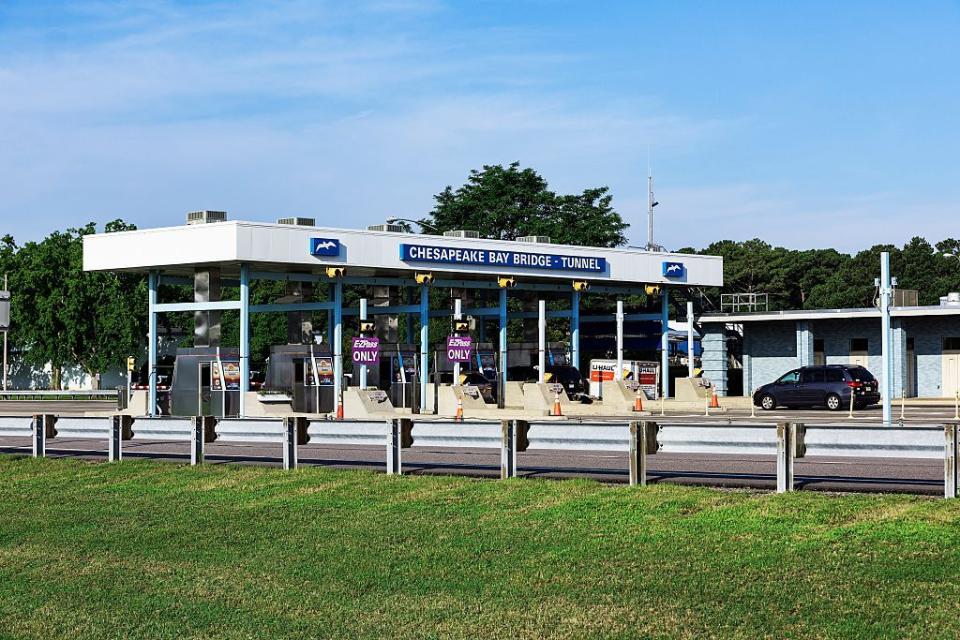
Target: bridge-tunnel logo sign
674, 270
325, 247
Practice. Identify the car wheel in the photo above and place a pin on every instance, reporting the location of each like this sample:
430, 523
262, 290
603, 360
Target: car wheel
834, 403
768, 402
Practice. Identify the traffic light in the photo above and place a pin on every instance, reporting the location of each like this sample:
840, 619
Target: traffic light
424, 278
335, 272
506, 282
366, 327
461, 326
131, 363
652, 290
581, 285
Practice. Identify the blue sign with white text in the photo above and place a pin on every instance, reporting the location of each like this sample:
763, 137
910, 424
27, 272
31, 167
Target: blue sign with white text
324, 247
501, 258
674, 270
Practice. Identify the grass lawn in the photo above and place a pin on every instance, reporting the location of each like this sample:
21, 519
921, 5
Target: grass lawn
148, 550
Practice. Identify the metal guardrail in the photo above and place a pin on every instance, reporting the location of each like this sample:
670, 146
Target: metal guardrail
66, 394
787, 442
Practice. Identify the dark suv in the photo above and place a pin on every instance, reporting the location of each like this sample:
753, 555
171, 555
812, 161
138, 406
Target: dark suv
831, 386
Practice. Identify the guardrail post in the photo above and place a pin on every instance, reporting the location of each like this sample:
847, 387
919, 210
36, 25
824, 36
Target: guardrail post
951, 473
508, 449
43, 428
120, 430
790, 445
204, 431
643, 442
294, 435
399, 436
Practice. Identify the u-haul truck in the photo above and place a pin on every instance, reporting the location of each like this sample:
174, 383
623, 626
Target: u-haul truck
646, 373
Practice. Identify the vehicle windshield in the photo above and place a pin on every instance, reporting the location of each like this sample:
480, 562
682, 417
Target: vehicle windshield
860, 373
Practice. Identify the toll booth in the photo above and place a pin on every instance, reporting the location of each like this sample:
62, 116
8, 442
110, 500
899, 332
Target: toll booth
206, 382
306, 372
398, 373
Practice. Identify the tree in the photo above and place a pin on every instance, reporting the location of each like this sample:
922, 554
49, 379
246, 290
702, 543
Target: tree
508, 202
63, 316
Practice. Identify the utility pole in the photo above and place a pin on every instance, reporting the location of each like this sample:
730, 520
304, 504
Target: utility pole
886, 353
6, 330
651, 203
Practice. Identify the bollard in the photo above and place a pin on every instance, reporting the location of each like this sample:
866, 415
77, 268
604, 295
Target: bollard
294, 435
120, 429
790, 445
43, 428
643, 442
204, 431
852, 394
951, 473
903, 408
663, 410
706, 405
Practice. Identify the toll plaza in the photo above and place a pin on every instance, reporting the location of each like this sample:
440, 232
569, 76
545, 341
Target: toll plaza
359, 305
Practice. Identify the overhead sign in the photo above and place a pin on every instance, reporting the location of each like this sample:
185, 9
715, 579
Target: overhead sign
500, 258
366, 350
324, 247
674, 270
459, 348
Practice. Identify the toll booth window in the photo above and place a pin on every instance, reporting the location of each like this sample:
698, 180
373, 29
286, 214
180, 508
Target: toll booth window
951, 344
859, 344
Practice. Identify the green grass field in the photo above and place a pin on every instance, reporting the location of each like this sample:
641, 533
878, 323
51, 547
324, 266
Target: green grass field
148, 550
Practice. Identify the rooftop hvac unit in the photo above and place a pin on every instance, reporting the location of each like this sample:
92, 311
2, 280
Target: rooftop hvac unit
392, 228
535, 239
204, 217
462, 233
952, 299
300, 222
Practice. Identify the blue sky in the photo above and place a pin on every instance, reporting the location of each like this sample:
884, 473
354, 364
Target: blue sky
807, 124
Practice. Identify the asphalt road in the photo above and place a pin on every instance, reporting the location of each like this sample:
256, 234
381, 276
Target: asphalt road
742, 471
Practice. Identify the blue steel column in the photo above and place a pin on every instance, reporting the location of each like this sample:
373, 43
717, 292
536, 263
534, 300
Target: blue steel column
575, 329
503, 337
244, 337
424, 340
665, 341
152, 343
337, 342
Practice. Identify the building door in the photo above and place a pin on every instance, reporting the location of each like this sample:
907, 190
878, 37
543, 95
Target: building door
860, 352
950, 377
819, 357
911, 364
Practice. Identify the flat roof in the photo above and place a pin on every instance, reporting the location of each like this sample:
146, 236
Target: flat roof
303, 249
827, 314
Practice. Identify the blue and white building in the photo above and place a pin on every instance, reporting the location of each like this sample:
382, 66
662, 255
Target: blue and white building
743, 351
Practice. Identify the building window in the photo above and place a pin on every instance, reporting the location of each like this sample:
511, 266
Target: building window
909, 344
859, 344
951, 344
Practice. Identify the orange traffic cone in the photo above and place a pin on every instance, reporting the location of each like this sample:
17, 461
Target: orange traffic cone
459, 416
638, 401
340, 406
714, 400
556, 403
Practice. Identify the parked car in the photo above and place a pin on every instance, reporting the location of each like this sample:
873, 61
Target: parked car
831, 386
